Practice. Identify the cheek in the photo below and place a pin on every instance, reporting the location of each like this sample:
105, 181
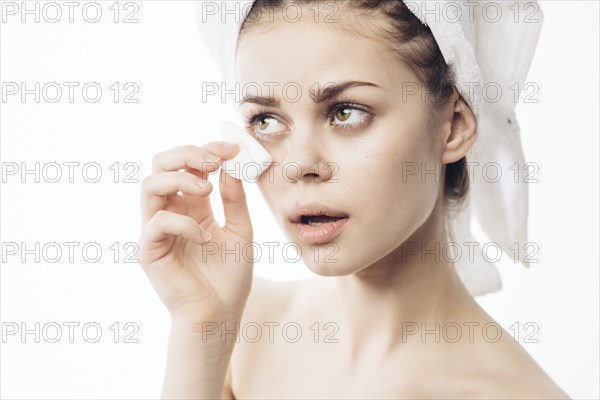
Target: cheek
273, 186
267, 188
399, 182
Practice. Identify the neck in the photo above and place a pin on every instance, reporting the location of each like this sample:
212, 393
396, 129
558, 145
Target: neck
381, 306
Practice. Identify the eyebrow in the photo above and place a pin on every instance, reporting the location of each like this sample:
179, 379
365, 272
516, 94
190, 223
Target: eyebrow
322, 94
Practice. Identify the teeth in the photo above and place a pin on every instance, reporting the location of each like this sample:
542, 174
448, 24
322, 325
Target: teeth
311, 223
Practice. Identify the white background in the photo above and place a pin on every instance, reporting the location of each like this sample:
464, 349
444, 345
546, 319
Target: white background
164, 56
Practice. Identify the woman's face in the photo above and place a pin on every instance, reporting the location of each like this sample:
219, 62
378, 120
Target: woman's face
367, 151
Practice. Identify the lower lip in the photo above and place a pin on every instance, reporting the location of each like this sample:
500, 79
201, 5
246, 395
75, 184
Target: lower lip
323, 233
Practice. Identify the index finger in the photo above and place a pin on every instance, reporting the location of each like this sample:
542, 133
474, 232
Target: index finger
206, 158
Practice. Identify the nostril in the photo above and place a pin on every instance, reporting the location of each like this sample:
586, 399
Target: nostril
311, 176
307, 172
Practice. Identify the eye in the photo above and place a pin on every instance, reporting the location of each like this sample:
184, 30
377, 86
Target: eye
350, 115
264, 126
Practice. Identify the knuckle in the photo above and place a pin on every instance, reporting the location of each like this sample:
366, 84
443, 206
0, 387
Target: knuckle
189, 150
161, 217
191, 178
157, 158
141, 242
146, 182
187, 153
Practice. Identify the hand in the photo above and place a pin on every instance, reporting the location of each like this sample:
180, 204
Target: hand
195, 285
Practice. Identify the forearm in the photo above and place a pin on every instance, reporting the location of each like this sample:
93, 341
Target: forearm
196, 367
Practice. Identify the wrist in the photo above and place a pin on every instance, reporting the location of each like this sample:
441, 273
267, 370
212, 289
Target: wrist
219, 335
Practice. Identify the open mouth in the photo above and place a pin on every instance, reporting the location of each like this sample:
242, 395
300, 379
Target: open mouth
317, 223
318, 220
319, 229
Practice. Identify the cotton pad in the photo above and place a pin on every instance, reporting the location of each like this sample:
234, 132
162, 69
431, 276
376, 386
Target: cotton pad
252, 160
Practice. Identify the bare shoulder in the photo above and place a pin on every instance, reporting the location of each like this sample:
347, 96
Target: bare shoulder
525, 378
506, 369
485, 365
495, 365
522, 383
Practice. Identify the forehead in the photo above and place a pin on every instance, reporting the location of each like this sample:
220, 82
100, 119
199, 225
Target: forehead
309, 51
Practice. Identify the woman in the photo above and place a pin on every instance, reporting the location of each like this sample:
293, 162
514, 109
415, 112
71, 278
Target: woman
390, 322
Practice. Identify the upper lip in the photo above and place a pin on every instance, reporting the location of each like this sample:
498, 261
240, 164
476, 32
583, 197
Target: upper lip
310, 209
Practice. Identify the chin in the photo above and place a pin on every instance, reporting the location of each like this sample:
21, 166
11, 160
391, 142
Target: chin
330, 262
328, 269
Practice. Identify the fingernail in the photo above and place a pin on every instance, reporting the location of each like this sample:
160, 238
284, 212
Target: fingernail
212, 158
203, 183
206, 236
229, 146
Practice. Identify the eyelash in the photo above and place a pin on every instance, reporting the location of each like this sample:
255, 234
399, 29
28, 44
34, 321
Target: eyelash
342, 104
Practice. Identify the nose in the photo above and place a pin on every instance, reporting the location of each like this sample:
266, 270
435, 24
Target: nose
306, 158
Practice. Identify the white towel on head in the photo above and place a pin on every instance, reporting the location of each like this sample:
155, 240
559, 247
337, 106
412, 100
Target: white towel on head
490, 45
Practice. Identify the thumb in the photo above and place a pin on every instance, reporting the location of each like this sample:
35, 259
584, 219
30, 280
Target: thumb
235, 208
